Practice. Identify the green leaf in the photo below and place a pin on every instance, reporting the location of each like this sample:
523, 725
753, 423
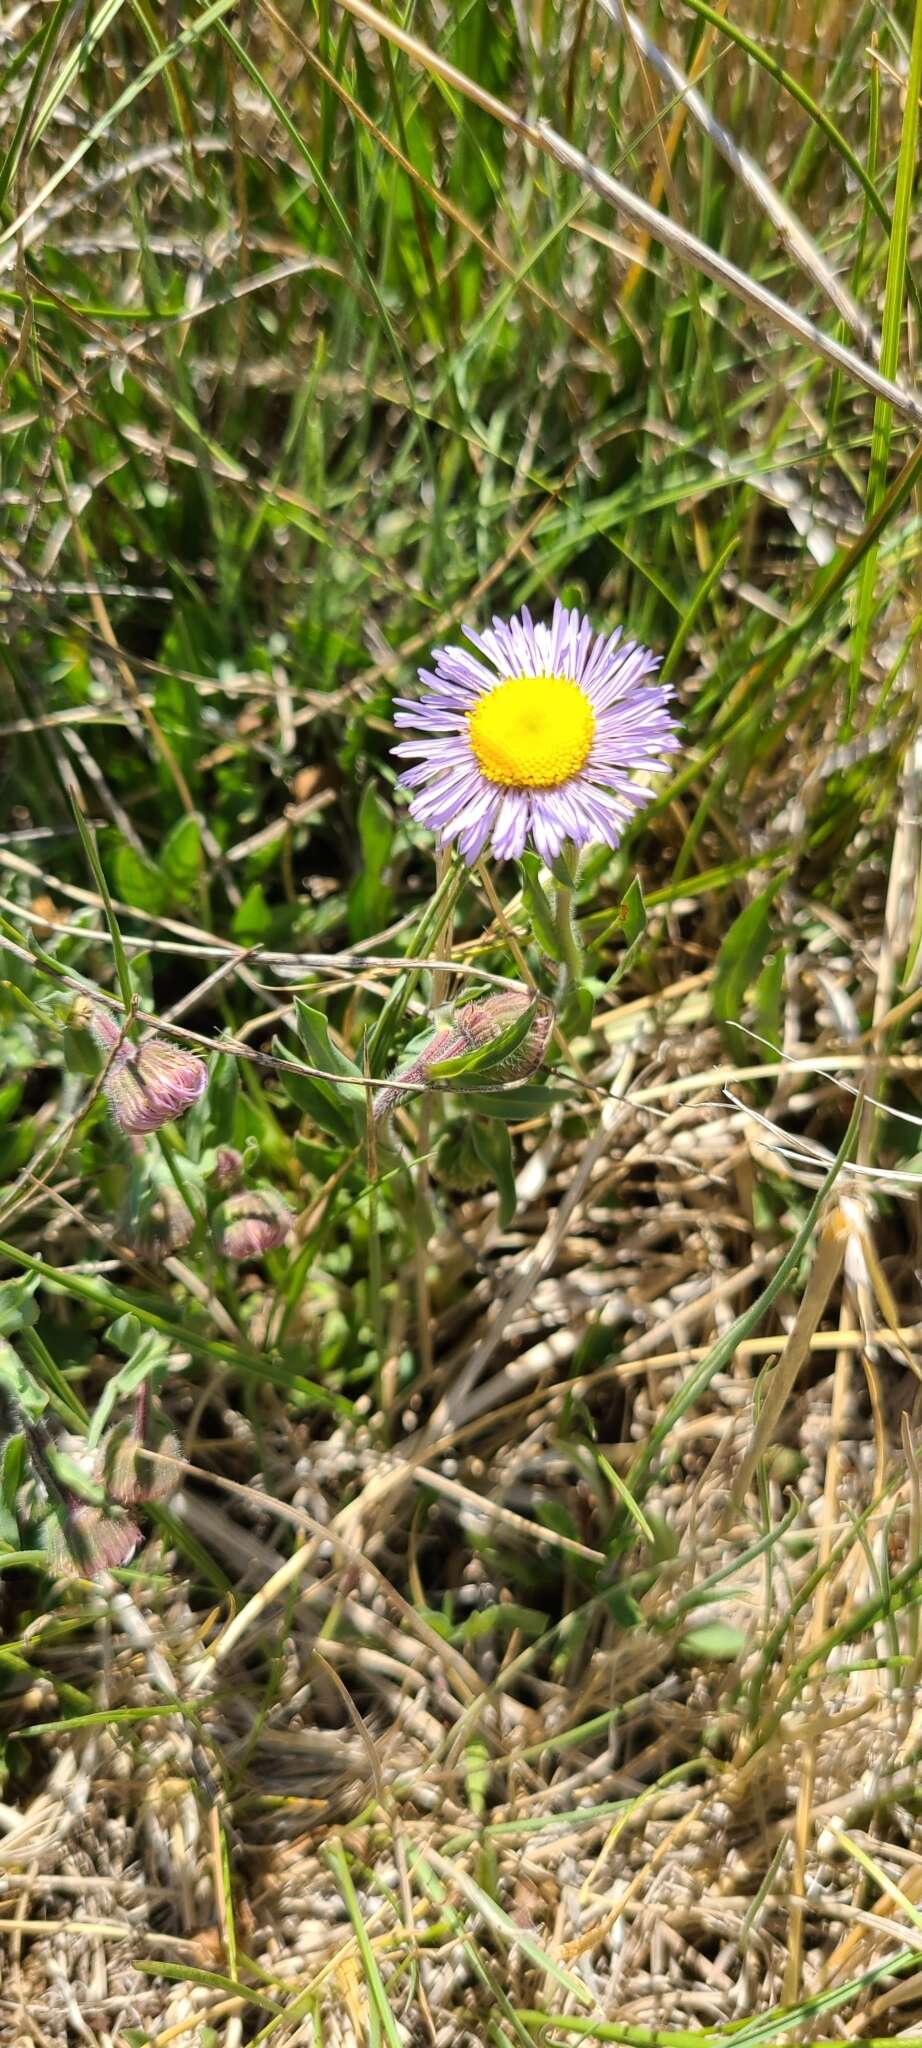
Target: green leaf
12, 1474
629, 922
81, 1052
493, 1145
181, 857
336, 1109
10, 1099
13, 1469
16, 1146
478, 1770
318, 1100
576, 1015
17, 1305
335, 1857
252, 919
554, 1515
634, 912
370, 900
515, 1105
314, 1033
714, 1640
502, 1618
740, 961
623, 1607
125, 1333
147, 1360
221, 1097
138, 881
538, 907
87, 838
768, 996
18, 1383
18, 1310
632, 917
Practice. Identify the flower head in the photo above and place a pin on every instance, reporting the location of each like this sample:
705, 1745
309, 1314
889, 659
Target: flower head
149, 1084
482, 1022
255, 1221
535, 737
227, 1170
129, 1475
88, 1541
164, 1224
474, 1027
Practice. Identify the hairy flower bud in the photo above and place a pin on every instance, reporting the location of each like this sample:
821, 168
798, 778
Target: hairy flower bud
130, 1475
82, 1016
474, 1027
255, 1221
163, 1226
483, 1021
457, 1164
87, 1541
149, 1084
105, 1025
227, 1170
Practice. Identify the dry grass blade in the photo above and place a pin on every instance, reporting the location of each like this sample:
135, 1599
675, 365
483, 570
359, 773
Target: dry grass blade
830, 1254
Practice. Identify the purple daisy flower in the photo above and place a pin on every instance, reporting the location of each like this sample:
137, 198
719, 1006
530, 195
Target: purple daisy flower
535, 737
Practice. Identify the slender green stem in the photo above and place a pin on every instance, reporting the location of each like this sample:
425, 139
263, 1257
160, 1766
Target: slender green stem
374, 1232
170, 1157
434, 918
88, 842
570, 947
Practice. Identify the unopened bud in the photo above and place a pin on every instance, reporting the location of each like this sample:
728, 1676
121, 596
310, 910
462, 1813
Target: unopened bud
163, 1227
147, 1085
483, 1021
86, 1541
473, 1028
457, 1164
81, 1016
130, 1475
227, 1169
255, 1221
104, 1024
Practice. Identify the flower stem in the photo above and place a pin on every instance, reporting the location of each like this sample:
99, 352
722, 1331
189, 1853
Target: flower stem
442, 941
570, 948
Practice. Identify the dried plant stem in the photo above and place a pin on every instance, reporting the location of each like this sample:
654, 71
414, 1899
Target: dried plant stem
822, 1280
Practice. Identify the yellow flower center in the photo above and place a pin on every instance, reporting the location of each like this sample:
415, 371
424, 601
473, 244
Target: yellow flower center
532, 732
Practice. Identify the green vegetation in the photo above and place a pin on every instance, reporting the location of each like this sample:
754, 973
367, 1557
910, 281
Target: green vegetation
461, 1566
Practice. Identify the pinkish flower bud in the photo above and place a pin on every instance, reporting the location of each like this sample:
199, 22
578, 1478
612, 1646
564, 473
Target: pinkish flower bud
130, 1475
87, 1542
148, 1085
474, 1027
105, 1025
255, 1221
482, 1022
227, 1169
